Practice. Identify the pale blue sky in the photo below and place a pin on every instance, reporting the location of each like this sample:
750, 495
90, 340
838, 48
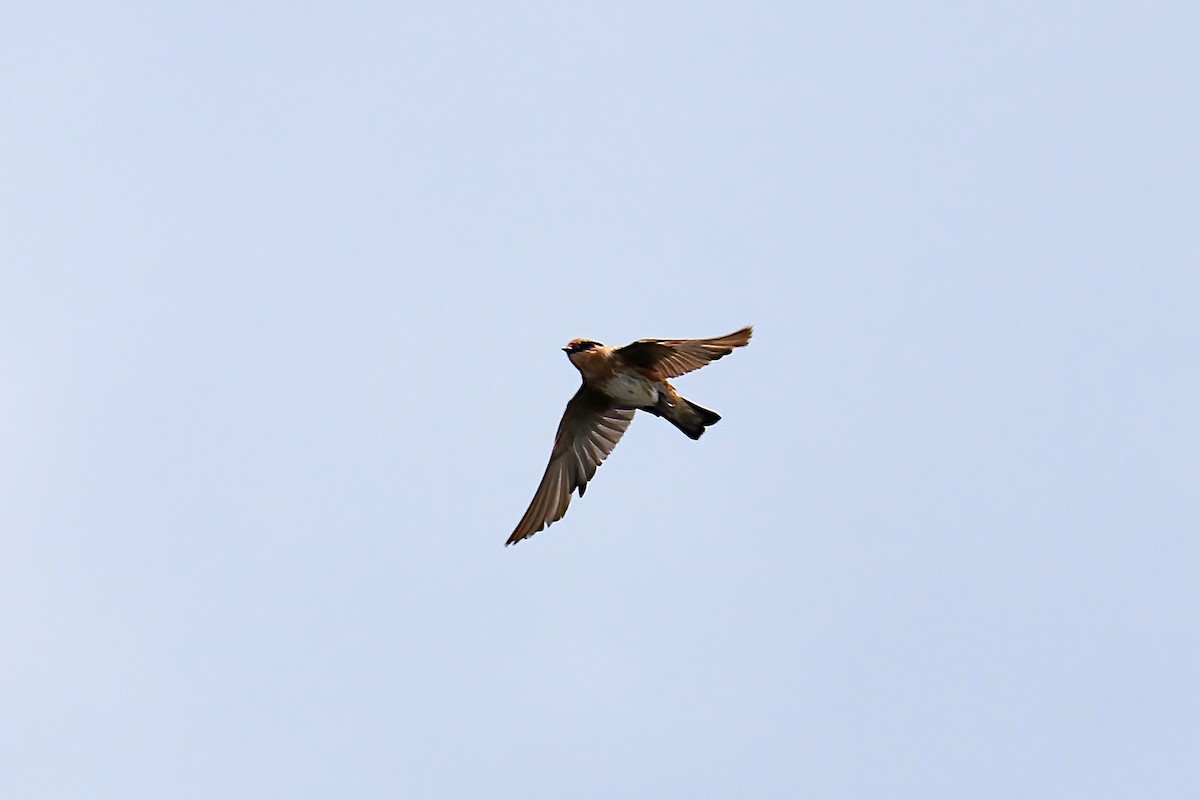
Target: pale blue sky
284, 291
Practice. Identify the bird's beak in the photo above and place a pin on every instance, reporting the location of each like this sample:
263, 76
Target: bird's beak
566, 349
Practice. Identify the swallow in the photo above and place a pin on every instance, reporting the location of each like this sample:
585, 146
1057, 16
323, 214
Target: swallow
617, 382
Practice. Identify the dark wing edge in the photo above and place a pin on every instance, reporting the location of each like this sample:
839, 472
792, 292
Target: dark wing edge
589, 430
670, 358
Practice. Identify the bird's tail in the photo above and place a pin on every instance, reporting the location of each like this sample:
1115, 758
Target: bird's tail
687, 416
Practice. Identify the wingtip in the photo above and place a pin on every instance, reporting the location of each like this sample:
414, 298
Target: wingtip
739, 338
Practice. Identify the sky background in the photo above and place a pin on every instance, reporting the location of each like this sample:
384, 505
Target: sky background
284, 288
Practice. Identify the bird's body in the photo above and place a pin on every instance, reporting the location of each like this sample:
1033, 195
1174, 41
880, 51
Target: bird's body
630, 389
617, 382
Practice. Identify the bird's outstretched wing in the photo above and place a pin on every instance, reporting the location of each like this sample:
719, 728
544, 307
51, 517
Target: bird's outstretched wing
670, 358
589, 430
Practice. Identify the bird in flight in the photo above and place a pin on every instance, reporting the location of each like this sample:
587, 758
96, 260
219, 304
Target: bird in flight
617, 381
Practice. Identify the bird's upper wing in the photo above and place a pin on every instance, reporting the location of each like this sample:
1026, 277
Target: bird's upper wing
670, 358
589, 430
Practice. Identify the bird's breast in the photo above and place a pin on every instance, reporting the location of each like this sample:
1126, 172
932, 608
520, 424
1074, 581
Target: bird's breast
629, 389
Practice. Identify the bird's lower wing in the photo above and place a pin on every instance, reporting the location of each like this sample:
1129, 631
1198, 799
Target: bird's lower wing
589, 430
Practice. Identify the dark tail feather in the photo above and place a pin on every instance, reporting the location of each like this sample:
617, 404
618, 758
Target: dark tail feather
706, 417
692, 420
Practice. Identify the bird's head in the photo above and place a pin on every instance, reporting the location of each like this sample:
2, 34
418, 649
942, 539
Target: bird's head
576, 346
